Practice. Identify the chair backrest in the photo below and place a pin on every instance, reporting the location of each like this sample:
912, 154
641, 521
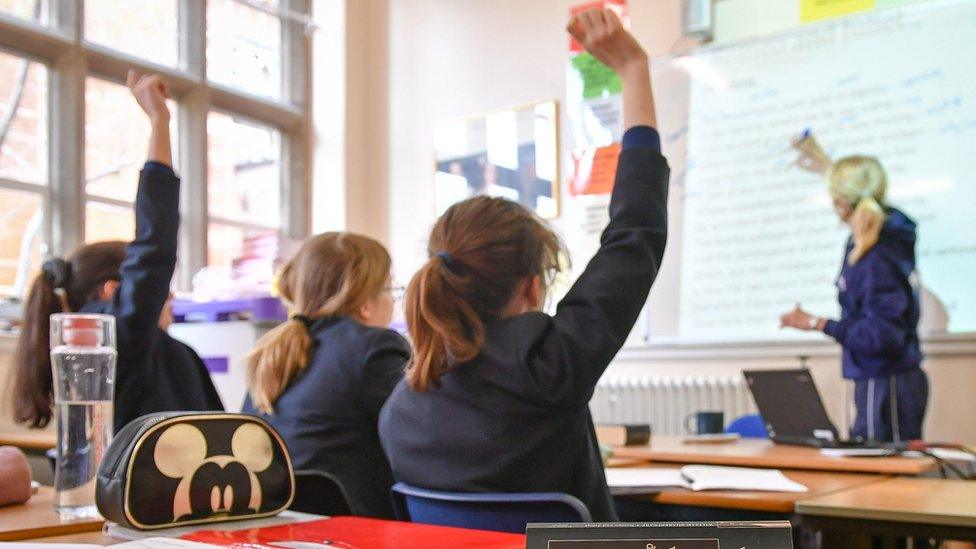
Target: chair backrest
748, 426
500, 512
320, 493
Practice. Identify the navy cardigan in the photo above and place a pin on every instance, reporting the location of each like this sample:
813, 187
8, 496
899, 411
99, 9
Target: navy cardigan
154, 372
328, 413
516, 417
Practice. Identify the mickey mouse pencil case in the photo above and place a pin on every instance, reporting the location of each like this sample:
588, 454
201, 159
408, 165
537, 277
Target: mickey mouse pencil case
182, 468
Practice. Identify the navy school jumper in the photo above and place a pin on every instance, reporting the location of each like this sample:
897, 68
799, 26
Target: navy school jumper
878, 331
154, 372
516, 417
328, 413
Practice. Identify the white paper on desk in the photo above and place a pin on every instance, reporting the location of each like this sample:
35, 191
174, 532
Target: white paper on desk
644, 480
164, 543
711, 477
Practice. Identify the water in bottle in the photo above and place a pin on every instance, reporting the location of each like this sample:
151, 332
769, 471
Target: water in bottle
83, 367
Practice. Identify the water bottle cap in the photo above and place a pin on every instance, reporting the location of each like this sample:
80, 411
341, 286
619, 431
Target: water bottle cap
82, 332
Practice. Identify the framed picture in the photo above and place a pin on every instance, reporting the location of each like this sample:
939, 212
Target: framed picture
512, 153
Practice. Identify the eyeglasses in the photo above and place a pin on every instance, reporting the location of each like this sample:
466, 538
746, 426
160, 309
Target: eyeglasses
396, 292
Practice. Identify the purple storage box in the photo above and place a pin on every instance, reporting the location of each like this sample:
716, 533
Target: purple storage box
257, 309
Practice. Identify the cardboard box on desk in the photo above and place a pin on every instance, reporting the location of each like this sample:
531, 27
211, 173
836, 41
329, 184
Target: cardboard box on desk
660, 535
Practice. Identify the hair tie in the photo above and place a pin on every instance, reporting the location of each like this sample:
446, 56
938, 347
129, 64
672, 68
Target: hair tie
306, 321
448, 260
57, 271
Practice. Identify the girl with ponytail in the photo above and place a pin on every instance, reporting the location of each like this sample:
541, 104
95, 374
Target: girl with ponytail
322, 377
878, 294
130, 281
496, 396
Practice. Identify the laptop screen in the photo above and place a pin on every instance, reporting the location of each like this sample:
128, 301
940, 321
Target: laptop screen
790, 404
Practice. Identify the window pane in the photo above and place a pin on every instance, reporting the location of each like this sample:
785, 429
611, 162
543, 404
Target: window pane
23, 120
21, 231
146, 29
226, 245
244, 47
108, 222
116, 140
35, 10
244, 179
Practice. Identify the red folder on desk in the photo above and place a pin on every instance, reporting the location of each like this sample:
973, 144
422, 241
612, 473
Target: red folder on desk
361, 533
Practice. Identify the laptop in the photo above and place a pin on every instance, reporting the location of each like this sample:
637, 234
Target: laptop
793, 411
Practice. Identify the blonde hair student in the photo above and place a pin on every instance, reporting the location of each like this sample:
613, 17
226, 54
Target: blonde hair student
321, 377
496, 397
878, 328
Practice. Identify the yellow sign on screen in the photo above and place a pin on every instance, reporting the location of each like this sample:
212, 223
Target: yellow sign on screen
815, 10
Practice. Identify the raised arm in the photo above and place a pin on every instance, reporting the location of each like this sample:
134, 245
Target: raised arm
596, 316
151, 258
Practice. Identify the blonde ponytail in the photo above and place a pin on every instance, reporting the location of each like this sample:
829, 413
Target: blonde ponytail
862, 183
280, 354
333, 274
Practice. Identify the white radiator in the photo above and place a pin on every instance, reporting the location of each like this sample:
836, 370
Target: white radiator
665, 402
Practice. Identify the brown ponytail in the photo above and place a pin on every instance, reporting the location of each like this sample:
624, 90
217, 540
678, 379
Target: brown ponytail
479, 251
332, 274
62, 285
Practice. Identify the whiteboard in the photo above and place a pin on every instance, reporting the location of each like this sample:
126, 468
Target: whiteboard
752, 234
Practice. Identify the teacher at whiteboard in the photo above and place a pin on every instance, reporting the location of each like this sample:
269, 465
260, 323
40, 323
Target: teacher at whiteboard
878, 294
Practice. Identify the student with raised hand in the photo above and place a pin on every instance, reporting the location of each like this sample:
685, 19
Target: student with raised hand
321, 378
496, 396
130, 281
879, 298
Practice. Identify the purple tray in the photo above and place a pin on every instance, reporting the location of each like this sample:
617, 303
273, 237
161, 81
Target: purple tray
259, 309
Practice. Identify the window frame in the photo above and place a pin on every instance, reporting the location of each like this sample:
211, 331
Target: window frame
69, 58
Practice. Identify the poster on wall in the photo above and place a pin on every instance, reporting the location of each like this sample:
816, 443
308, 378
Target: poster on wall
511, 153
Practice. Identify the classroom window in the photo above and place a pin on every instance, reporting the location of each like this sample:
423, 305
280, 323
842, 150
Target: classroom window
70, 176
244, 185
23, 120
33, 10
143, 29
244, 46
23, 170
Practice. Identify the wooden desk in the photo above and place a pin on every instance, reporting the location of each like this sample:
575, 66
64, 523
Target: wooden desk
36, 442
763, 453
898, 507
37, 518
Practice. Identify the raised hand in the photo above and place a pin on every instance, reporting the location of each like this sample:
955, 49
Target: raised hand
150, 92
603, 35
810, 155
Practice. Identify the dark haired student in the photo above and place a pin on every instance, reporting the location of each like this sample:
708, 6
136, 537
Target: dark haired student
496, 396
131, 281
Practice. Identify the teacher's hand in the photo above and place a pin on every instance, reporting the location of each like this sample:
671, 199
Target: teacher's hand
810, 155
799, 319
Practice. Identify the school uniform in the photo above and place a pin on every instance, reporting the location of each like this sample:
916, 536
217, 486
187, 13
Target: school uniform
878, 330
516, 417
328, 413
154, 372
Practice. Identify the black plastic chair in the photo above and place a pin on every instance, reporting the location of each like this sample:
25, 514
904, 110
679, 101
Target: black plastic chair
319, 493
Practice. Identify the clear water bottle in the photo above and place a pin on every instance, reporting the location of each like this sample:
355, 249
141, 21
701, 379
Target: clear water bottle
83, 365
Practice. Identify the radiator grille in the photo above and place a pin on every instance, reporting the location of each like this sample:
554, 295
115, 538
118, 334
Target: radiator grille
665, 402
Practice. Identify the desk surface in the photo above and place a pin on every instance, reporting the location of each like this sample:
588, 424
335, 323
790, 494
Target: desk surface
764, 453
37, 518
819, 484
37, 441
909, 500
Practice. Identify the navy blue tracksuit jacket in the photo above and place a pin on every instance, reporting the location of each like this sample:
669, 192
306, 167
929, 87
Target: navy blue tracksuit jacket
516, 417
328, 413
154, 372
878, 330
